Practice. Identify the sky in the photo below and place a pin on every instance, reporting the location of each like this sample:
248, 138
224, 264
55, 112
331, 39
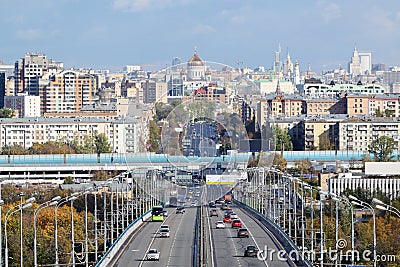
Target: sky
109, 34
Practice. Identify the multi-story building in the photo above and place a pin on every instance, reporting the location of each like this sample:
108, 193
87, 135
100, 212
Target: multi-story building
358, 132
320, 132
357, 104
212, 93
294, 126
278, 105
2, 88
155, 91
26, 105
67, 91
125, 135
30, 69
324, 106
317, 89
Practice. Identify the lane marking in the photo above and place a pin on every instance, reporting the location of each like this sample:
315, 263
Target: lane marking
152, 241
173, 242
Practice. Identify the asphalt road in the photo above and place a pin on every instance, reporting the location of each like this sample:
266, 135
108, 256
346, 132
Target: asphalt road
229, 249
174, 251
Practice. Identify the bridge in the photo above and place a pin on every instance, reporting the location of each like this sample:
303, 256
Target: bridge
279, 212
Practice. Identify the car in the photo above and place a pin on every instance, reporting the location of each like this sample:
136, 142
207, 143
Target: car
236, 223
233, 216
251, 251
180, 210
212, 205
224, 207
228, 202
164, 227
165, 213
227, 220
193, 204
243, 232
164, 232
220, 225
213, 212
153, 254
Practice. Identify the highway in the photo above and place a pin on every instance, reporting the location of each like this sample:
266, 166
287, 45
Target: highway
174, 251
229, 250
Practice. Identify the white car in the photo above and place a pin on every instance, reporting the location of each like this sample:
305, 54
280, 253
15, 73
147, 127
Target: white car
233, 216
164, 227
164, 232
153, 255
220, 225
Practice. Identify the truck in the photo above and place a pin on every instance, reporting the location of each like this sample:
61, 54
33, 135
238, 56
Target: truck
228, 197
173, 201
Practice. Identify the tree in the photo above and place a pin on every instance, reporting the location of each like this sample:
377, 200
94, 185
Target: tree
101, 143
382, 148
281, 139
69, 180
14, 150
155, 137
6, 113
305, 166
325, 142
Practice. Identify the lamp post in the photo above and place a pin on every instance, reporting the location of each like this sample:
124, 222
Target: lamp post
358, 202
382, 206
52, 202
71, 197
9, 213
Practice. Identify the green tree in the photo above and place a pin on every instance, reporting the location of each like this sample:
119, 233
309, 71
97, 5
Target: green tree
325, 142
281, 139
101, 143
382, 148
6, 113
14, 150
69, 180
155, 138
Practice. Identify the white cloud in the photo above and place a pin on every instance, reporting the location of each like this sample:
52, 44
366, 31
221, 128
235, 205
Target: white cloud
204, 29
29, 34
139, 5
329, 11
34, 34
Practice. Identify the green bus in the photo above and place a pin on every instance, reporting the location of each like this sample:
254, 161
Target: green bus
157, 214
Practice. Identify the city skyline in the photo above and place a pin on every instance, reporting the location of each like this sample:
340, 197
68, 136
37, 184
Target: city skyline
151, 33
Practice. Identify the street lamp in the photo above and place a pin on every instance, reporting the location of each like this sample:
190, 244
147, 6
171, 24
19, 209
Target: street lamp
52, 202
72, 197
358, 202
382, 206
10, 213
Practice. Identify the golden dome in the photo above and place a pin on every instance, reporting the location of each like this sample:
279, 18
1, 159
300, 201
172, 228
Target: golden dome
195, 60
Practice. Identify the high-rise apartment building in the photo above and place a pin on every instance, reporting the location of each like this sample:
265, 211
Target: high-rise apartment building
30, 69
2, 88
67, 91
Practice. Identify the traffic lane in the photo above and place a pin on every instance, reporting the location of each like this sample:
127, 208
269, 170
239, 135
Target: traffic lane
228, 248
133, 253
163, 244
214, 192
181, 249
261, 239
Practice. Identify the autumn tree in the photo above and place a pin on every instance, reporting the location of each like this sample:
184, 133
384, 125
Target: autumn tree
382, 148
6, 113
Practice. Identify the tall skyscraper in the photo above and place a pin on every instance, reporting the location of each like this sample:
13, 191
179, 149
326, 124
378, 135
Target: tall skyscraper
355, 64
2, 88
365, 62
277, 67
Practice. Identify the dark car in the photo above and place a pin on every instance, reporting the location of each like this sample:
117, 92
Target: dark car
243, 232
251, 251
180, 210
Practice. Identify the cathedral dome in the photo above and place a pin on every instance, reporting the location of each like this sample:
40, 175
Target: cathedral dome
195, 60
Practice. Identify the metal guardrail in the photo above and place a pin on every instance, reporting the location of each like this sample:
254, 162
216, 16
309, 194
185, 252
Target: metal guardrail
196, 256
282, 237
121, 238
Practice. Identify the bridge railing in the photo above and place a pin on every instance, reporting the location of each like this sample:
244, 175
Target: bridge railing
115, 248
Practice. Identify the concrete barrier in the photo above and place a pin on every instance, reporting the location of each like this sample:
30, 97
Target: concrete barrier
119, 243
